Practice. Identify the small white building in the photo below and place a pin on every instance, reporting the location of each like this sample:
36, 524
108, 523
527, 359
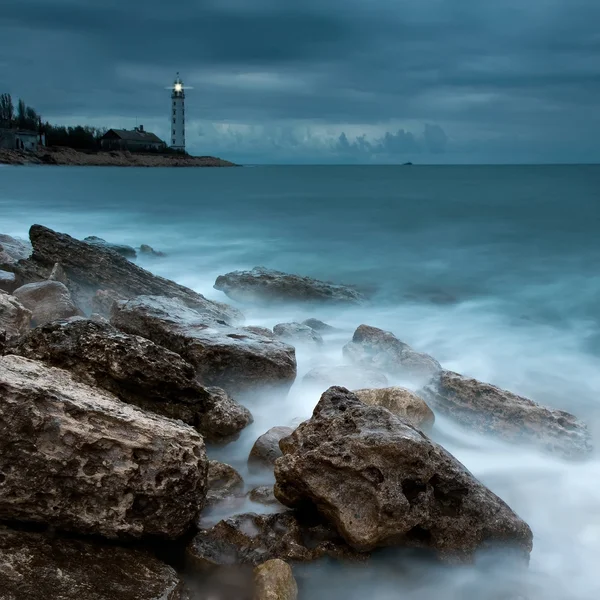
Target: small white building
21, 139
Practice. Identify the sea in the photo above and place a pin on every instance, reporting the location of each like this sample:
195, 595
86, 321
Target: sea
493, 270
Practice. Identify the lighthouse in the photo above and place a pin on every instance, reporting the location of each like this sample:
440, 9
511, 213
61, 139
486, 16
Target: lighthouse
178, 115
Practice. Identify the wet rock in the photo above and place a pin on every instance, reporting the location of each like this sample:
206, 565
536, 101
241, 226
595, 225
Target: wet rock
7, 281
274, 580
261, 285
137, 371
382, 482
35, 566
47, 301
150, 251
91, 267
297, 333
266, 448
15, 319
78, 459
122, 249
400, 402
261, 331
372, 347
230, 358
488, 409
252, 539
319, 326
349, 376
58, 274
13, 250
223, 482
104, 301
2, 342
264, 495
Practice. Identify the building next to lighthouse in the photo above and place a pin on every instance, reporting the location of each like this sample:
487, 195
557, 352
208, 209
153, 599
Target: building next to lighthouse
178, 115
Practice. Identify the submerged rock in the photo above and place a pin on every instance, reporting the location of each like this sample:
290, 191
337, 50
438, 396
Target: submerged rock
35, 566
266, 448
122, 249
382, 482
15, 319
223, 356
261, 285
274, 580
47, 301
150, 251
349, 376
252, 539
488, 409
78, 459
91, 267
400, 402
372, 347
297, 333
223, 482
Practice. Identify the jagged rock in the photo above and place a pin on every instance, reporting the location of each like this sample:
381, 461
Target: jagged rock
104, 301
261, 331
137, 371
58, 274
297, 333
79, 459
488, 409
90, 268
7, 281
400, 402
150, 251
34, 566
372, 347
223, 482
13, 250
234, 359
274, 580
252, 539
264, 494
318, 326
261, 285
15, 319
2, 342
266, 448
47, 301
382, 482
122, 249
349, 376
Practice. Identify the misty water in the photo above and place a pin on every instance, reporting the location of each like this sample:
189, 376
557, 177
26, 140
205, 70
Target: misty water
491, 270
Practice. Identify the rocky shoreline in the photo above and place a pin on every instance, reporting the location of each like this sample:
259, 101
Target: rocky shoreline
71, 157
114, 382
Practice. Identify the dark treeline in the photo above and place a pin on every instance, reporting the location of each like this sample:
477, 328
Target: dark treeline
26, 117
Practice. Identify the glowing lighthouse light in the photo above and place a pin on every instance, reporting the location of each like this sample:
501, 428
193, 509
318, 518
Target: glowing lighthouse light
178, 114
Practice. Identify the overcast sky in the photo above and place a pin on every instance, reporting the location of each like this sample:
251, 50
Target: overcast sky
334, 81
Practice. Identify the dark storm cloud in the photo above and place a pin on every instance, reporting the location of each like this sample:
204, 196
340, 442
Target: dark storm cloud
443, 79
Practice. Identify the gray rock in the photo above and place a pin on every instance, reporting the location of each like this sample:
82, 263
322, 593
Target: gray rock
350, 376
488, 409
47, 301
223, 418
150, 251
223, 482
15, 319
7, 281
372, 347
13, 250
266, 450
122, 249
34, 566
319, 326
382, 482
58, 274
79, 459
274, 580
261, 331
261, 285
223, 356
264, 494
297, 333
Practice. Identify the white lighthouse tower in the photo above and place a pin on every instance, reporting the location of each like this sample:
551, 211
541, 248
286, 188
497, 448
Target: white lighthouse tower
178, 114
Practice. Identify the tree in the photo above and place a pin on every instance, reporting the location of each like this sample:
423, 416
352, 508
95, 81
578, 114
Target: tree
21, 116
7, 110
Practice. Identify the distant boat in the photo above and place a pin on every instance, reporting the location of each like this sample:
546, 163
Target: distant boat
408, 164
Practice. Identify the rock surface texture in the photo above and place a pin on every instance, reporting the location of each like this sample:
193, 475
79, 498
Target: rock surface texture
266, 450
274, 580
350, 376
15, 319
38, 567
488, 409
137, 371
296, 333
79, 459
223, 356
372, 347
402, 403
261, 285
7, 281
382, 482
13, 250
319, 326
223, 482
122, 249
47, 301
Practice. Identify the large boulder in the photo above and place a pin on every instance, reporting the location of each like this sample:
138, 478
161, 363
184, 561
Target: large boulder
265, 450
47, 301
13, 250
122, 249
296, 333
252, 539
488, 409
34, 566
90, 268
400, 402
137, 371
79, 459
382, 482
261, 285
274, 580
376, 348
350, 376
230, 358
15, 319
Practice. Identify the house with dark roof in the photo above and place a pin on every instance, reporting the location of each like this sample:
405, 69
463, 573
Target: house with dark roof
135, 140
